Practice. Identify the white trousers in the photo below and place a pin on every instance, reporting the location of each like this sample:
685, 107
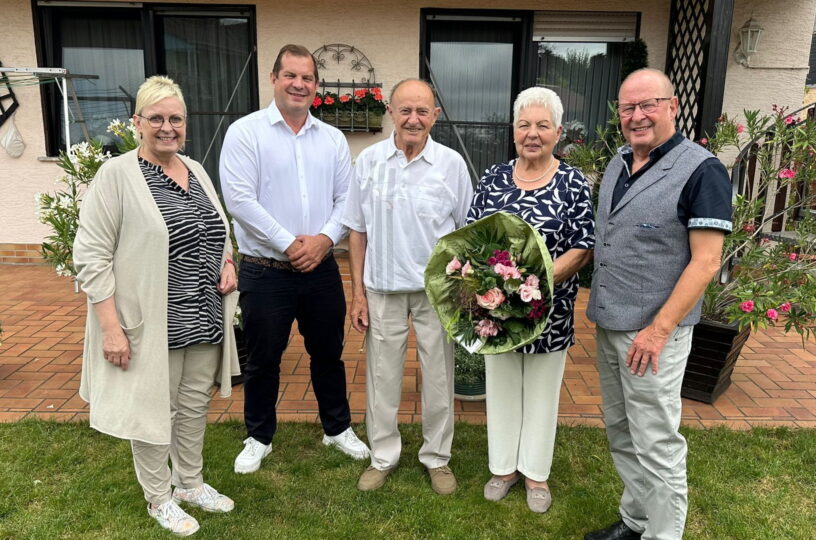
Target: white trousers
192, 372
642, 416
522, 411
387, 345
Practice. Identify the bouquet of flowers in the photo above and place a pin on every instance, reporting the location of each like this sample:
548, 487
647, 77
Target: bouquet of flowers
490, 282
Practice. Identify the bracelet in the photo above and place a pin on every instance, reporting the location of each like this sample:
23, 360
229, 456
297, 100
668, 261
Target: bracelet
229, 261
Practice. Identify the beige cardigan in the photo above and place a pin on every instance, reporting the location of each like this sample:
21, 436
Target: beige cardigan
121, 250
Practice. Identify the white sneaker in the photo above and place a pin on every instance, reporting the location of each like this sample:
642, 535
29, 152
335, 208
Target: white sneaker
173, 518
249, 460
348, 443
205, 497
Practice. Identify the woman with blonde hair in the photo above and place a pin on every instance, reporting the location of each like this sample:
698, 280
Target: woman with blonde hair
153, 255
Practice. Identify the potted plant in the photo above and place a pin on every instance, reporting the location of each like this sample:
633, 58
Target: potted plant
469, 375
768, 272
363, 108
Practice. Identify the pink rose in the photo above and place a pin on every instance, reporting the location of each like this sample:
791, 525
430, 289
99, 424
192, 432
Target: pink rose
453, 266
528, 293
785, 308
747, 306
507, 271
793, 257
772, 314
491, 299
740, 128
487, 328
467, 269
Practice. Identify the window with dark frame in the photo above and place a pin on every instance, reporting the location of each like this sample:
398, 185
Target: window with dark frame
208, 50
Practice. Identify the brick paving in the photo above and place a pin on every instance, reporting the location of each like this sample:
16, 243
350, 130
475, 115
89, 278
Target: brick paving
774, 381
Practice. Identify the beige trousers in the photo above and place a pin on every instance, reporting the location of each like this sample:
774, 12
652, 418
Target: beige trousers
192, 372
522, 411
387, 347
642, 417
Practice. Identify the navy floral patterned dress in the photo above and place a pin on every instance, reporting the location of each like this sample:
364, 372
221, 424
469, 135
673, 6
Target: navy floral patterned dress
562, 212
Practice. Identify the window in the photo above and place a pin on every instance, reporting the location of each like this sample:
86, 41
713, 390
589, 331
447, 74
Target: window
207, 50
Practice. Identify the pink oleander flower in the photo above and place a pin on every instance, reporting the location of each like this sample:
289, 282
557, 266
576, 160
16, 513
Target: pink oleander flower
789, 120
507, 271
749, 227
704, 141
740, 128
772, 314
785, 307
787, 173
528, 293
467, 269
453, 266
747, 306
793, 256
491, 299
487, 328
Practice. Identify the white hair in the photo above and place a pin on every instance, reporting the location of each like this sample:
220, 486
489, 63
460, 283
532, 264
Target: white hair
538, 96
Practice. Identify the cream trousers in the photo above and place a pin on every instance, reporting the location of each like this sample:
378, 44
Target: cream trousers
192, 372
522, 411
642, 416
387, 346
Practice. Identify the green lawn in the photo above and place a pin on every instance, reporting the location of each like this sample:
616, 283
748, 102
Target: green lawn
67, 481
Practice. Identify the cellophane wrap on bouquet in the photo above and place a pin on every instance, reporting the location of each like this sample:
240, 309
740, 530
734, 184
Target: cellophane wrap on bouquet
491, 284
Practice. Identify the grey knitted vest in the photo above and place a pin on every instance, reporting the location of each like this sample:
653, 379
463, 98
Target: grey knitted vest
641, 247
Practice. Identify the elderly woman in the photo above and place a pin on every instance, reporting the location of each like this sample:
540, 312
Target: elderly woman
523, 386
153, 255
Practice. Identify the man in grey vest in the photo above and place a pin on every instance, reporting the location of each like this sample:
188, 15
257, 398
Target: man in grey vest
663, 212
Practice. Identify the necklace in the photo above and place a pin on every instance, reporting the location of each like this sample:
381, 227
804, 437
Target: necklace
553, 161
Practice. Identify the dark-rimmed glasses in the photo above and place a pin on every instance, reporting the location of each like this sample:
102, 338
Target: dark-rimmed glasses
648, 106
157, 121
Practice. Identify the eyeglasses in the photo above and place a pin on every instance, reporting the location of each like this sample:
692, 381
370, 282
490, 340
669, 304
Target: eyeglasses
648, 106
157, 121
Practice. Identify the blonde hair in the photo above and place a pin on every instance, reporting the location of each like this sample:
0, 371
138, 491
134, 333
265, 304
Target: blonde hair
155, 89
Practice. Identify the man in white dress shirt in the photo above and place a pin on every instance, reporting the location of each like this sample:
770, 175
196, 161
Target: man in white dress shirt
406, 192
284, 176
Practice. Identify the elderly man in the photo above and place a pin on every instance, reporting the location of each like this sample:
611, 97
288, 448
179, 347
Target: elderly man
407, 191
287, 206
663, 211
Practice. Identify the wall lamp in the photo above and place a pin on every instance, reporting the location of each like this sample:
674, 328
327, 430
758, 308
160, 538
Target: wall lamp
749, 42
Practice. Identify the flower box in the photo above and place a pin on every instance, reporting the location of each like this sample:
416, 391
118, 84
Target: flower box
715, 348
357, 121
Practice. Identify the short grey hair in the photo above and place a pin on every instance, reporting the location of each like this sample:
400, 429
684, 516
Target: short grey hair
538, 96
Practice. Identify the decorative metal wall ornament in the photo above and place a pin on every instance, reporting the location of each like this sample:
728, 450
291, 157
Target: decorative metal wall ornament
344, 103
338, 51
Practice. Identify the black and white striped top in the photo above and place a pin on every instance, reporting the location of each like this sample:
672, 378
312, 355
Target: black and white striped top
197, 237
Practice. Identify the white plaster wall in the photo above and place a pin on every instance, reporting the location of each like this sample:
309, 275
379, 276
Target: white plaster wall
778, 70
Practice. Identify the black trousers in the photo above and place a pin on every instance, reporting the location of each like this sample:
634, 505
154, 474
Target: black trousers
270, 300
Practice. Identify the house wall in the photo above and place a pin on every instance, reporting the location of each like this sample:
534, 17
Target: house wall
778, 70
388, 33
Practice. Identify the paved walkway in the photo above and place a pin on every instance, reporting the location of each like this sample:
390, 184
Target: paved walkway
43, 319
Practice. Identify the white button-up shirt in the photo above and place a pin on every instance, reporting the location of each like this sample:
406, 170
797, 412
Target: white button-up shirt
278, 184
404, 208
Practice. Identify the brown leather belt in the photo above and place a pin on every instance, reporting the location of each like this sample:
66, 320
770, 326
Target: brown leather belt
276, 264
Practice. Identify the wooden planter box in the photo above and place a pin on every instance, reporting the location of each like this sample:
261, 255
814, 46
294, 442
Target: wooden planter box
715, 348
357, 121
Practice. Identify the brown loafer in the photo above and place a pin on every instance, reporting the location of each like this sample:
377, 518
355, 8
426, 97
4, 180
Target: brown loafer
539, 500
496, 489
372, 479
443, 482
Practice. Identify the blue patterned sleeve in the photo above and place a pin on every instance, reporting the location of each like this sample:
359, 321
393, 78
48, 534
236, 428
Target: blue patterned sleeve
581, 222
479, 201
